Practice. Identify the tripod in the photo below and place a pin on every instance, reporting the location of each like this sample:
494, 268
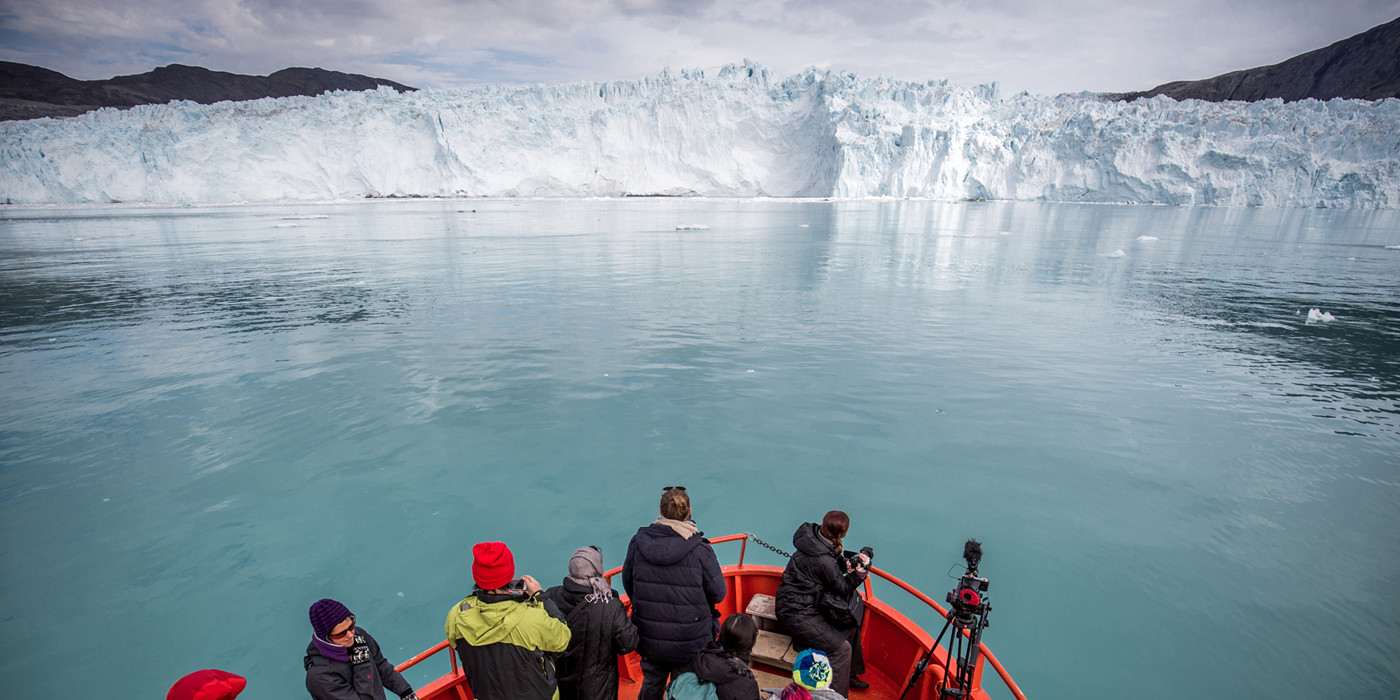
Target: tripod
967, 625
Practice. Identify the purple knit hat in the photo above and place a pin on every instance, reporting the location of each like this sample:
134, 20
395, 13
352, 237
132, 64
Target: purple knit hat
325, 615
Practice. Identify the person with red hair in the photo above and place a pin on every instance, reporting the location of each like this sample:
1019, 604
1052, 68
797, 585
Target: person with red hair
817, 581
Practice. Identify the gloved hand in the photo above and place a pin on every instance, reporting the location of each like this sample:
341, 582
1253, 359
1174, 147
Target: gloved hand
410, 696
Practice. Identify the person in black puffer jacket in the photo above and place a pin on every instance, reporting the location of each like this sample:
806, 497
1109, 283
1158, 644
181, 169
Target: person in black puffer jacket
816, 568
343, 662
600, 627
725, 662
674, 582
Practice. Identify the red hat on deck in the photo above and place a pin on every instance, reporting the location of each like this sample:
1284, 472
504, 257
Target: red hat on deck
493, 566
209, 684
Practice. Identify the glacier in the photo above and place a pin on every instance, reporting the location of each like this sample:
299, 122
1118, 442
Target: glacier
739, 132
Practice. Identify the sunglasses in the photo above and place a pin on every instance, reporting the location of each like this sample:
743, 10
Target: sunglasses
668, 488
347, 631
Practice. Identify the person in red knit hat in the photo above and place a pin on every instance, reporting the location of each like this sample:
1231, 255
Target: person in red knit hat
209, 684
504, 633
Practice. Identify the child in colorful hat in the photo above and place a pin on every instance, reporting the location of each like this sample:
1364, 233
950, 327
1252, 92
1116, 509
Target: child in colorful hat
811, 679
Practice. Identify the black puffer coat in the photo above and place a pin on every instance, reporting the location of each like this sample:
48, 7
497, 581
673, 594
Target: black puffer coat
731, 676
601, 632
815, 567
364, 676
673, 583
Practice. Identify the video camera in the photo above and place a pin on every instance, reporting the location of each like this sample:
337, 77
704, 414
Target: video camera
969, 599
967, 617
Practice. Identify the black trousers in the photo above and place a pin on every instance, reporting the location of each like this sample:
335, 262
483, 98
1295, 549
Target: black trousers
847, 660
654, 679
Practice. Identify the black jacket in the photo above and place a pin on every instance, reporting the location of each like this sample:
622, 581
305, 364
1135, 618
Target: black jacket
600, 633
814, 568
364, 676
674, 584
732, 678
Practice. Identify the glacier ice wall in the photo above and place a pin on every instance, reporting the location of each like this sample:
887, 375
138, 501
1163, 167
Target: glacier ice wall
739, 133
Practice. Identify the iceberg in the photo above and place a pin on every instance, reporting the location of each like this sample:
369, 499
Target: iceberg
741, 132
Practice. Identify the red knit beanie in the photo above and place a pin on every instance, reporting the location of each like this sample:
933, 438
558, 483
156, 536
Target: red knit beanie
209, 684
493, 566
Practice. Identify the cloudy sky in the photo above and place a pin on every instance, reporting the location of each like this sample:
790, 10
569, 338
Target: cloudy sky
1046, 46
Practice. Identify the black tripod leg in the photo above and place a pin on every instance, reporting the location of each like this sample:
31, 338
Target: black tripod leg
923, 663
954, 650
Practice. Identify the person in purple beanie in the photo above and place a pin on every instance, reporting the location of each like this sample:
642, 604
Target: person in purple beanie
343, 662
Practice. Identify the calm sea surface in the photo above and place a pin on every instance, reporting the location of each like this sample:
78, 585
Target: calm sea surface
212, 417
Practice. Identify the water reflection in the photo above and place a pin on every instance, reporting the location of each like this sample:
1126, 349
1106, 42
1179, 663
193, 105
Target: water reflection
1126, 396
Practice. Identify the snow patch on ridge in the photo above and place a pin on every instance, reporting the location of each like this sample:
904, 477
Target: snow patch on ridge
740, 133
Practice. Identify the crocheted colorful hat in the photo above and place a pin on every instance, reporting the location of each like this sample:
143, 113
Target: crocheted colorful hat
812, 670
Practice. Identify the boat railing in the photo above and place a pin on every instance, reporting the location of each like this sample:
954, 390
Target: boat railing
453, 679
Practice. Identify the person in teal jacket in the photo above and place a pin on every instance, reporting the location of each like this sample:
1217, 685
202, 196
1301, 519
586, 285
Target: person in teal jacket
504, 633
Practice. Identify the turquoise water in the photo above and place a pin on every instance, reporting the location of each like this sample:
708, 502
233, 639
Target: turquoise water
214, 416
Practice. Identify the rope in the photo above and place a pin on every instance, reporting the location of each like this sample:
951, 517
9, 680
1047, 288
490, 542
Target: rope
765, 544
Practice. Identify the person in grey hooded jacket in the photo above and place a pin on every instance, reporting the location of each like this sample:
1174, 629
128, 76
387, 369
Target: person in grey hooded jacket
599, 630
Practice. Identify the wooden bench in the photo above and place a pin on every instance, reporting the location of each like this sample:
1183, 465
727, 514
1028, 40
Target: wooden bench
772, 647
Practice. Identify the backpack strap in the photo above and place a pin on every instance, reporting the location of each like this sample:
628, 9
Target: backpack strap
569, 616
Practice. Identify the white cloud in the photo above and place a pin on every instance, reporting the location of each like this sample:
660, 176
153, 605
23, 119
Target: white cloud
1070, 45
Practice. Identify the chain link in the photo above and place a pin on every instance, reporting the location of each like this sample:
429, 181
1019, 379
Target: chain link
765, 544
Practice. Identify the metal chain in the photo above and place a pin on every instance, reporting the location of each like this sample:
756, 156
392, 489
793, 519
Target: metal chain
765, 544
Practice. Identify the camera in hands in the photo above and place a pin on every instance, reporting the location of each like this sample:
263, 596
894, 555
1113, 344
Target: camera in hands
853, 560
517, 587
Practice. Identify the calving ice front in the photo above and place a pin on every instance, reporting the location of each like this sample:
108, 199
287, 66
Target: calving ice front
739, 133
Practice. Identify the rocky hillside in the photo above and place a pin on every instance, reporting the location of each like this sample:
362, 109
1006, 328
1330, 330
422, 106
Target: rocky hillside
29, 92
1366, 67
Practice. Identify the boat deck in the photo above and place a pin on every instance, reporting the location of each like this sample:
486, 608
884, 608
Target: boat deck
767, 677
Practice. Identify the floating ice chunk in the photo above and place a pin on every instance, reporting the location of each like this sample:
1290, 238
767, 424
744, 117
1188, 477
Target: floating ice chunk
306, 217
1004, 233
1315, 315
692, 227
804, 226
748, 372
1147, 238
400, 594
1392, 247
284, 226
1115, 254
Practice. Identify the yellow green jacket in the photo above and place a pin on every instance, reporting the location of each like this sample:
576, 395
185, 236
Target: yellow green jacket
505, 642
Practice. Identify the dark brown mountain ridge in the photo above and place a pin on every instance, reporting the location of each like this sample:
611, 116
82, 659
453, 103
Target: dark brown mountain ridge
1362, 67
29, 92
